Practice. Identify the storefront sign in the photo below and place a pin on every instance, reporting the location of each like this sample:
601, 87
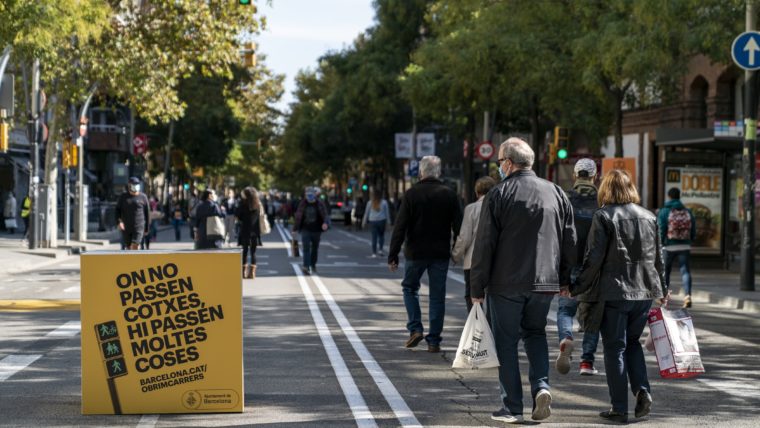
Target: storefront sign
626, 164
161, 332
701, 192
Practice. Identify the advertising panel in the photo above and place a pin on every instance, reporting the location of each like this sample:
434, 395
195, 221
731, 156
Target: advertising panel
701, 192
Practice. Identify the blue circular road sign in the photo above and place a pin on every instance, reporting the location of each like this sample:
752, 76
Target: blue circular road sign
746, 50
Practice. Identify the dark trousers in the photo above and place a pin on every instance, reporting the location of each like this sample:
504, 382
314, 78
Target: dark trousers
177, 231
413, 271
622, 325
310, 241
378, 235
249, 250
521, 316
467, 298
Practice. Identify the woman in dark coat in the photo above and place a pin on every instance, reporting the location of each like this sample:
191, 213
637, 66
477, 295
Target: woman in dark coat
207, 208
623, 267
247, 213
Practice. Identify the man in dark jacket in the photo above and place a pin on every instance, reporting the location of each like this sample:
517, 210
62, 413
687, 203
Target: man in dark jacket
311, 220
677, 231
429, 213
133, 214
524, 252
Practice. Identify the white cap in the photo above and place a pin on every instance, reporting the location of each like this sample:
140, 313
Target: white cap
587, 165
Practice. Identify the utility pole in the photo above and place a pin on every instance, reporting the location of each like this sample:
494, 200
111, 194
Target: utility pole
34, 122
81, 224
747, 278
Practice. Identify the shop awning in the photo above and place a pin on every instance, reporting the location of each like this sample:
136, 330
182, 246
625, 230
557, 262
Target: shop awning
696, 138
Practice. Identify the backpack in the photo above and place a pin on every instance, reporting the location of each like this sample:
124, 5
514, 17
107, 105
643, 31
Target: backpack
679, 224
584, 207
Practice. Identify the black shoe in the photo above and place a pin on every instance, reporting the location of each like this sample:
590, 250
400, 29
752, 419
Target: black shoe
314, 269
503, 415
414, 339
434, 348
305, 270
614, 416
643, 403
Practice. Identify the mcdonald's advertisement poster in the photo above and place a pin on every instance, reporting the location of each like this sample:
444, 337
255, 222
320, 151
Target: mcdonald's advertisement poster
701, 192
161, 332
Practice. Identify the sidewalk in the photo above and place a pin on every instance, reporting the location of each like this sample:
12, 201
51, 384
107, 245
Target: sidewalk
718, 287
15, 255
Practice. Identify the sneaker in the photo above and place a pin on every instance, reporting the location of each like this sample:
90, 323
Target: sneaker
380, 253
614, 416
643, 403
434, 348
542, 405
587, 368
687, 302
374, 255
305, 270
565, 356
414, 339
503, 415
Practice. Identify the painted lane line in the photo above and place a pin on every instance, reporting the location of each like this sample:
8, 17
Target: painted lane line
336, 256
74, 289
13, 364
355, 400
402, 411
148, 421
358, 238
288, 247
331, 245
70, 329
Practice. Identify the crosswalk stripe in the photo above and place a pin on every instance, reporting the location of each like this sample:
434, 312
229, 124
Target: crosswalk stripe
13, 364
70, 329
148, 421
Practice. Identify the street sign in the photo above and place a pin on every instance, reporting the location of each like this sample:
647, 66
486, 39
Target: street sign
414, 168
403, 146
140, 144
485, 150
746, 50
425, 144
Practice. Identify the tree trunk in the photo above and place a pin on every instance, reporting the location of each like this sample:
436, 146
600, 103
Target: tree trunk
51, 176
618, 94
535, 136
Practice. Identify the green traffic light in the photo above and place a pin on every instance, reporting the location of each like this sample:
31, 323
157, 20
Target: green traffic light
562, 154
245, 2
349, 190
365, 187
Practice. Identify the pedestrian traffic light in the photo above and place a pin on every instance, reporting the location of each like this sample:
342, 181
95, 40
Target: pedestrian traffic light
561, 142
350, 190
3, 137
365, 187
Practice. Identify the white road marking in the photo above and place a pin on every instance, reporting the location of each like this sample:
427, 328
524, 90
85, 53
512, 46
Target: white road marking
738, 388
43, 289
355, 400
74, 289
336, 256
331, 245
70, 329
13, 364
147, 421
402, 411
358, 238
285, 239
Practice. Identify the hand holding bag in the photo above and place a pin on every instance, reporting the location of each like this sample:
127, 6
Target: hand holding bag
477, 349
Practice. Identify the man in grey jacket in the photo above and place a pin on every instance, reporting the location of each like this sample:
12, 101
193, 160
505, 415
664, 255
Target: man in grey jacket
524, 252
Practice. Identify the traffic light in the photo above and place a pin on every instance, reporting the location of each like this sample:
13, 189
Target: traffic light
248, 52
65, 154
365, 187
245, 2
561, 142
4, 137
349, 190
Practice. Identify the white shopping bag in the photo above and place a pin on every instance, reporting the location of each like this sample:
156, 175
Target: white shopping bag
476, 347
675, 343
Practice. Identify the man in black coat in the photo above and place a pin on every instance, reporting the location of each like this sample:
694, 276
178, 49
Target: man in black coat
429, 213
133, 213
524, 252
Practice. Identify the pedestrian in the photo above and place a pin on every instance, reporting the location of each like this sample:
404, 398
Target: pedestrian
583, 198
229, 207
177, 219
429, 214
462, 252
524, 252
359, 210
155, 217
26, 210
677, 231
311, 220
248, 214
133, 215
623, 267
9, 213
377, 215
208, 208
192, 208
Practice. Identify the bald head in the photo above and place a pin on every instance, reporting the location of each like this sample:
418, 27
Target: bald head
518, 152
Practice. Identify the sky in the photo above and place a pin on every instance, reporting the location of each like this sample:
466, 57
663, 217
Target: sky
300, 31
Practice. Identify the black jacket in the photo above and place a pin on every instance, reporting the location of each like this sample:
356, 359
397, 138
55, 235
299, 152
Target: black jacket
248, 236
623, 258
133, 211
429, 213
525, 240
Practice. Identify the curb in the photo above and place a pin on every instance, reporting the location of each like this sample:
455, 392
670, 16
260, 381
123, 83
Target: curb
713, 298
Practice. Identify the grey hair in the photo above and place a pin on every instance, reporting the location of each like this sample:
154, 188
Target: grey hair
517, 151
430, 166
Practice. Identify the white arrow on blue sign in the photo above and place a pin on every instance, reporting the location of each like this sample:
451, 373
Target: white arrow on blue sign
746, 50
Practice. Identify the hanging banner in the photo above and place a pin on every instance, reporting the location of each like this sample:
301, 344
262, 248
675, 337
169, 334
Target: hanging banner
403, 146
161, 332
425, 144
701, 192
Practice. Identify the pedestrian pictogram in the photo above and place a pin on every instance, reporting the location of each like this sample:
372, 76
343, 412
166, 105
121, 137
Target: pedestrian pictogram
485, 150
746, 50
113, 356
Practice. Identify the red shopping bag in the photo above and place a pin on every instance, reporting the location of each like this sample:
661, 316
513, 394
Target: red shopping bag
675, 343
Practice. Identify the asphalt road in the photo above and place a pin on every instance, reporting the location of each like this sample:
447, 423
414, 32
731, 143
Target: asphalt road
327, 351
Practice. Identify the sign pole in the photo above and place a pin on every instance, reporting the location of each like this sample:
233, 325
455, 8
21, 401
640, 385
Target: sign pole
747, 279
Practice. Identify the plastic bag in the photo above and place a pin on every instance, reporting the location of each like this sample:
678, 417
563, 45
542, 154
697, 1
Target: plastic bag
476, 347
675, 343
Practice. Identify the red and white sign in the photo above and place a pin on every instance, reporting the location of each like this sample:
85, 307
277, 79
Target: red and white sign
140, 144
485, 150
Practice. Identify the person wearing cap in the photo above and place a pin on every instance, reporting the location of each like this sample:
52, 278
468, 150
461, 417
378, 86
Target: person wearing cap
583, 198
311, 220
133, 214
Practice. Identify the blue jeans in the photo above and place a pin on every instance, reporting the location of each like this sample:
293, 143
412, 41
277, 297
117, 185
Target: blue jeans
413, 270
683, 264
622, 325
310, 241
521, 316
378, 234
566, 310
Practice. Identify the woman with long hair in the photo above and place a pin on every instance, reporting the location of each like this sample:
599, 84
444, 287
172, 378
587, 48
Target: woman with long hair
377, 215
247, 213
623, 270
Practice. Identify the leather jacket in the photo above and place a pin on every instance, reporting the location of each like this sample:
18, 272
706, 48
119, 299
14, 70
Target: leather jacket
525, 240
623, 258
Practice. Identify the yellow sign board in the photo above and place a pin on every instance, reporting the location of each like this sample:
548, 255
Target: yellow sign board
162, 332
